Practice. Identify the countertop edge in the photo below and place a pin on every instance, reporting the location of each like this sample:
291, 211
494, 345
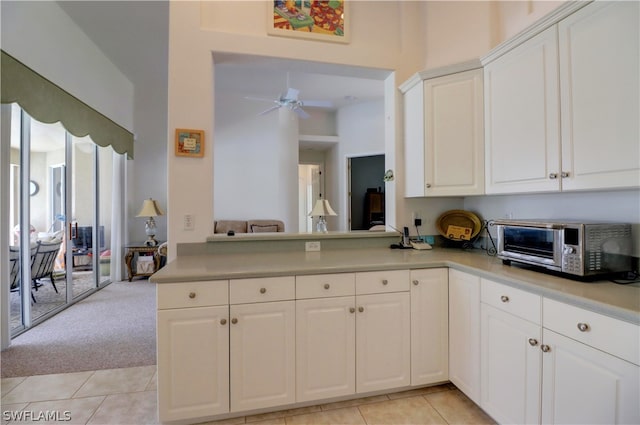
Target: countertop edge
524, 283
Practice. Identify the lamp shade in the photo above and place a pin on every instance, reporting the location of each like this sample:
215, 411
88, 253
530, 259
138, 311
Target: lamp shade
322, 208
150, 208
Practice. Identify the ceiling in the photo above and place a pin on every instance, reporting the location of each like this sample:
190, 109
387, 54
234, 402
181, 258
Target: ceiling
134, 35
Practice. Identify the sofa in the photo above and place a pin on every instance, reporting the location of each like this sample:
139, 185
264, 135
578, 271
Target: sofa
248, 226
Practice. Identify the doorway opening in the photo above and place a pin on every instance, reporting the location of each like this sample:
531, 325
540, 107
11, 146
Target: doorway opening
366, 191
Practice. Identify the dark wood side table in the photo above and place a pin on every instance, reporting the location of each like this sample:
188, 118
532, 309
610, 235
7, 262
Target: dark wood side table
131, 258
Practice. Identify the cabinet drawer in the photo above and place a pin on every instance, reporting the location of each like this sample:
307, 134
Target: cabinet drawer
383, 281
512, 300
261, 290
616, 337
325, 285
192, 294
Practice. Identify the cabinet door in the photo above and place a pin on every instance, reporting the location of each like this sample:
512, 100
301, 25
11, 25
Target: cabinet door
262, 351
429, 326
193, 362
325, 348
583, 385
599, 74
383, 350
414, 182
522, 118
511, 367
454, 139
464, 333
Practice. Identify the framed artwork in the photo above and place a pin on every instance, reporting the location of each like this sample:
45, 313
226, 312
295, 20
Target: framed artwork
189, 142
326, 20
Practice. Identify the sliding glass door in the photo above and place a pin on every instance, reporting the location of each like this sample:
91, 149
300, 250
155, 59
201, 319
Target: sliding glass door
60, 198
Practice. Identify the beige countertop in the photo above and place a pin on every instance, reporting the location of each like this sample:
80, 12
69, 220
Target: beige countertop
618, 301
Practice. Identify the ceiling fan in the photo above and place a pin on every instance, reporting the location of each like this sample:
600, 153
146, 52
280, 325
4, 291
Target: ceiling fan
290, 100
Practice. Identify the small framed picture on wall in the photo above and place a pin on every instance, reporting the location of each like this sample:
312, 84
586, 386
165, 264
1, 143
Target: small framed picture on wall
189, 143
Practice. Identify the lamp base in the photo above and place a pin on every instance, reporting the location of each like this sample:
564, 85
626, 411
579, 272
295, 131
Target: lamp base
151, 241
321, 226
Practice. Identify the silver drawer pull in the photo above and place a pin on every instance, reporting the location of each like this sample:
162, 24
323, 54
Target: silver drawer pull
223, 321
583, 327
415, 282
504, 299
385, 281
564, 174
545, 348
192, 295
553, 176
263, 290
533, 342
327, 286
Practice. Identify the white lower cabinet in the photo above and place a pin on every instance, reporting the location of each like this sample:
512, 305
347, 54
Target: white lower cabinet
533, 374
383, 347
262, 343
587, 386
464, 333
351, 343
429, 326
325, 348
511, 359
193, 350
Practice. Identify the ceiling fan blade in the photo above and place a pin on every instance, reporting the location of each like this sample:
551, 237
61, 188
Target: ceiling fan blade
292, 94
266, 111
317, 103
301, 113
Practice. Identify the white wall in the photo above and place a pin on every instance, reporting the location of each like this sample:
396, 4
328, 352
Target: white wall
255, 161
361, 132
44, 38
198, 29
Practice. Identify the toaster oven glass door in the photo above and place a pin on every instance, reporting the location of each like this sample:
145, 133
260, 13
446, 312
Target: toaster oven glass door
530, 242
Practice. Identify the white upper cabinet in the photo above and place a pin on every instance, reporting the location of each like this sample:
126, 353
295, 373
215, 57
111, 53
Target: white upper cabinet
522, 118
561, 108
599, 74
444, 140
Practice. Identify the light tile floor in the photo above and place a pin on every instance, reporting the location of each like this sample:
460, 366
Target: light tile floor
128, 397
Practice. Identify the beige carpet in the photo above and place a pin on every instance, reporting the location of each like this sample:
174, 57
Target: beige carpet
113, 328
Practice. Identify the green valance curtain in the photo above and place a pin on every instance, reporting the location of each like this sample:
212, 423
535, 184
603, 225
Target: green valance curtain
48, 103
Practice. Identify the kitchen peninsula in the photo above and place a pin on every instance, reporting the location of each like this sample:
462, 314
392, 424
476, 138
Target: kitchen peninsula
255, 324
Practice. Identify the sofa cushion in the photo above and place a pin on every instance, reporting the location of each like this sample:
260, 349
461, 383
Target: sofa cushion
223, 226
261, 226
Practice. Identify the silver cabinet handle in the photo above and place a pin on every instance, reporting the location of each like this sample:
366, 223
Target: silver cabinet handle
504, 299
263, 290
385, 281
533, 342
352, 310
223, 321
192, 295
553, 176
327, 286
360, 309
428, 185
583, 327
415, 282
545, 348
564, 174
234, 320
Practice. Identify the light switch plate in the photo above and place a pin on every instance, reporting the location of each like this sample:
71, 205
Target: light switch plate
312, 246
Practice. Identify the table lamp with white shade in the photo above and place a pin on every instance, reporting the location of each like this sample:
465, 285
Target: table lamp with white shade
150, 209
322, 209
